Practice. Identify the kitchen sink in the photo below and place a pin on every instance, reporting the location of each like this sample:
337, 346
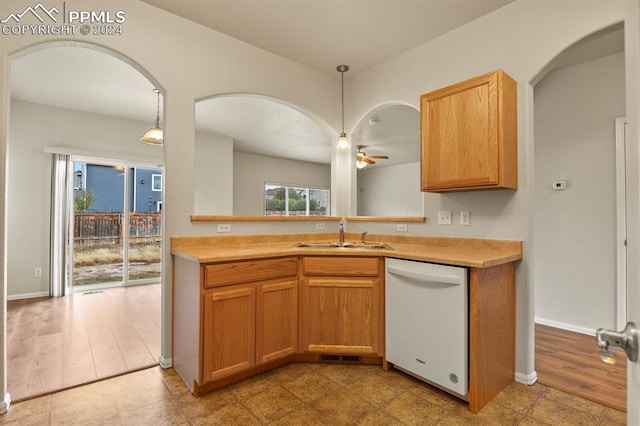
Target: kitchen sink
344, 245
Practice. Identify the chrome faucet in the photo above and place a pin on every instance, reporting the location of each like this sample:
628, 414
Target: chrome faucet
342, 233
363, 237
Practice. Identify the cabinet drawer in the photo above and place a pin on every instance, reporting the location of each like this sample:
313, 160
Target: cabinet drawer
342, 266
218, 274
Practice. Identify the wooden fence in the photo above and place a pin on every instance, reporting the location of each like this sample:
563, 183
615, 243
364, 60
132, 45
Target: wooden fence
102, 229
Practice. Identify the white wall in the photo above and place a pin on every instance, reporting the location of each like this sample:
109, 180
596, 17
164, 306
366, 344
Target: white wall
186, 61
521, 38
35, 127
575, 108
390, 191
251, 171
213, 163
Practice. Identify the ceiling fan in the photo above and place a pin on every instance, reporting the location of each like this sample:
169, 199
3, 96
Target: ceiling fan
362, 159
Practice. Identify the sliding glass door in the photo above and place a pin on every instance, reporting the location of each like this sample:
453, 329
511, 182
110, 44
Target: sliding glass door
115, 233
144, 225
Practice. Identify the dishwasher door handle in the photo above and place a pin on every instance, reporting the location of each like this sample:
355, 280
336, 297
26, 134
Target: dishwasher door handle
425, 276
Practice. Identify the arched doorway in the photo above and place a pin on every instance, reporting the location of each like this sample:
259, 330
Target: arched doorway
575, 106
67, 98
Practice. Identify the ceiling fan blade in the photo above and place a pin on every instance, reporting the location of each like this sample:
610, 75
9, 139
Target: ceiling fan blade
368, 160
384, 157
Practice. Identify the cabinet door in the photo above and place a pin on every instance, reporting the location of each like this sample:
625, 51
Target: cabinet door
341, 315
469, 135
276, 319
229, 331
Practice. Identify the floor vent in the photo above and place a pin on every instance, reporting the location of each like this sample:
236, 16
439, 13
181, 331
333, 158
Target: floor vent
92, 292
340, 358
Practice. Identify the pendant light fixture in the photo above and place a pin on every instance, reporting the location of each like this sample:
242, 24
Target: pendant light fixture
343, 142
154, 136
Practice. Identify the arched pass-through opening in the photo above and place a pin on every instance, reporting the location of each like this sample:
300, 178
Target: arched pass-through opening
260, 145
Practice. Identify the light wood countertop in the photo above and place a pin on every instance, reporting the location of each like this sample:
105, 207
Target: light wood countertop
469, 252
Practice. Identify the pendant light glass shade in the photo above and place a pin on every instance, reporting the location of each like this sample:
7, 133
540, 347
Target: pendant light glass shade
343, 141
152, 136
155, 135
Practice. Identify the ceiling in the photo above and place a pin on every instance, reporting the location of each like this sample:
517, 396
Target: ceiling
83, 79
333, 31
261, 125
359, 33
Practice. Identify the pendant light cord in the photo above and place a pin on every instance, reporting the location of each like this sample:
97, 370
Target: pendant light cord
157, 108
342, 85
342, 69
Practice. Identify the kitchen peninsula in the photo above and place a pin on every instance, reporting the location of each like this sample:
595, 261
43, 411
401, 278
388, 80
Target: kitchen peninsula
248, 303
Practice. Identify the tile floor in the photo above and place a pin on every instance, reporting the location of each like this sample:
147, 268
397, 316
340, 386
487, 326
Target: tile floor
301, 394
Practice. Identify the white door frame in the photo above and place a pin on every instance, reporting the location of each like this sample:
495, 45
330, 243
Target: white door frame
621, 224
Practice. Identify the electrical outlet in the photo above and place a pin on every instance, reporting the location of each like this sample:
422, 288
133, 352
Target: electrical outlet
319, 225
464, 218
444, 217
402, 227
38, 272
224, 227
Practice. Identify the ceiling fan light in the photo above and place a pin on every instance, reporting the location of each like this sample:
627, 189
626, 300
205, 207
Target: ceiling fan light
361, 164
343, 142
153, 136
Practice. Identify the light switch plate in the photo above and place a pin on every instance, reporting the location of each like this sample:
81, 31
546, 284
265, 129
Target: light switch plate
444, 217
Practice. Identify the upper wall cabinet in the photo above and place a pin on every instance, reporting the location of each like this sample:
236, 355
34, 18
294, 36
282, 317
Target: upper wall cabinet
469, 135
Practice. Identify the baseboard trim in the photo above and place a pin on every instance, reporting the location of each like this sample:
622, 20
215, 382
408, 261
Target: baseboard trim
568, 327
527, 379
4, 405
165, 362
28, 295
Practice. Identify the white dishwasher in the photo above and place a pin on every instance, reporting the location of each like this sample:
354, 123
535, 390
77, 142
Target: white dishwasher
427, 322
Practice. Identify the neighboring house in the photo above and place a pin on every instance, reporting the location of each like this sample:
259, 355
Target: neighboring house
107, 183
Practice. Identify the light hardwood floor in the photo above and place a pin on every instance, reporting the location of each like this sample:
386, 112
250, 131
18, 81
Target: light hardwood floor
570, 362
57, 343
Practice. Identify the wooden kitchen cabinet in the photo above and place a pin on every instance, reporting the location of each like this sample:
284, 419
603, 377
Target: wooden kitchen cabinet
249, 315
276, 319
469, 136
342, 305
229, 315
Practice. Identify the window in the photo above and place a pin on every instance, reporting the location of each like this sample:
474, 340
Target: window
156, 182
284, 200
